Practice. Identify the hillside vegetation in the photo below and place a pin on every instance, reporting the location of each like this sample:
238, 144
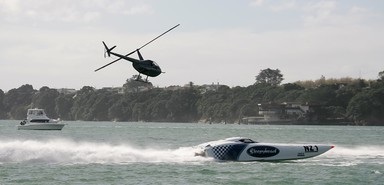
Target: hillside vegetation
357, 101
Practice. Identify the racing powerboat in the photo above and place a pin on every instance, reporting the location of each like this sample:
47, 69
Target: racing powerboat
38, 120
245, 149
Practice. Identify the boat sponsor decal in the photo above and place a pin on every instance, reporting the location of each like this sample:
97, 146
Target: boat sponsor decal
310, 148
263, 151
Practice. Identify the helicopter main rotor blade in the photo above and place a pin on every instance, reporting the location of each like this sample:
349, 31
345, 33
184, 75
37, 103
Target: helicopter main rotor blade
158, 36
106, 65
114, 61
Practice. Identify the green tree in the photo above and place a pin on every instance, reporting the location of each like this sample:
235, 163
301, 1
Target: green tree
249, 110
138, 112
17, 101
182, 105
82, 103
3, 112
99, 108
45, 99
347, 91
135, 84
367, 106
207, 103
235, 109
269, 76
292, 86
63, 106
323, 95
381, 75
120, 111
159, 111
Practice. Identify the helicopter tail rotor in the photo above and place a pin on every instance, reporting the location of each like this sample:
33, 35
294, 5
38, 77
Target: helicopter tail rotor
107, 50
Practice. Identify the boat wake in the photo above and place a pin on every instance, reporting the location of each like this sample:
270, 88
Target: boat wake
359, 151
352, 156
66, 151
71, 152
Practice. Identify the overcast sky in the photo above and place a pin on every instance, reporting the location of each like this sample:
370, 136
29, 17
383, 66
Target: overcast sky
57, 43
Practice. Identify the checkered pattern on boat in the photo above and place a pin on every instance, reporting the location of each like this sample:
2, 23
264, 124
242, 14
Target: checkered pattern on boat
227, 152
221, 151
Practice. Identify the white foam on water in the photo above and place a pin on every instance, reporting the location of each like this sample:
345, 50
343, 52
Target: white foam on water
352, 156
358, 151
71, 152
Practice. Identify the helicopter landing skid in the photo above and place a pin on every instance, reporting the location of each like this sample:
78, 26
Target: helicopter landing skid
139, 79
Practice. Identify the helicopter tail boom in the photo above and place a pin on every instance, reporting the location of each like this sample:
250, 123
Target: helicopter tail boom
108, 50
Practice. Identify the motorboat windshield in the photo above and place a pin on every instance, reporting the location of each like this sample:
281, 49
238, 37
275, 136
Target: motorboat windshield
240, 139
246, 140
35, 112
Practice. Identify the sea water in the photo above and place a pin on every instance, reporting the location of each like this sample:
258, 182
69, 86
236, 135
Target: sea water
163, 153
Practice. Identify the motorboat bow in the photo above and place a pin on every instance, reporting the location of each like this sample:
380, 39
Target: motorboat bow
245, 149
38, 120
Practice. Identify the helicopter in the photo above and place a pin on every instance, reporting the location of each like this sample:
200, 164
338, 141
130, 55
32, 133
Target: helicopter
146, 67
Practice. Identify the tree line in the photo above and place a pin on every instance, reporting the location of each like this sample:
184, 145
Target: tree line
357, 101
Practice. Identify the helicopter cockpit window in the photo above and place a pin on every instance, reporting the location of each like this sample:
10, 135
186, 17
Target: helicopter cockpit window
154, 63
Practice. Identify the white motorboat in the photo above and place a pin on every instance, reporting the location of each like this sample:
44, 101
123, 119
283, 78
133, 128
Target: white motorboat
245, 149
38, 120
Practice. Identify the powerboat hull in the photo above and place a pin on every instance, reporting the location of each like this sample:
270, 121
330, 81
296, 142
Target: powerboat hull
41, 126
235, 149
